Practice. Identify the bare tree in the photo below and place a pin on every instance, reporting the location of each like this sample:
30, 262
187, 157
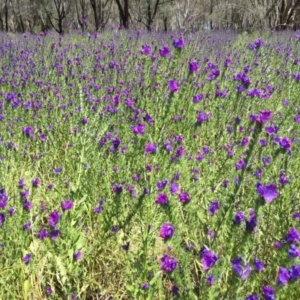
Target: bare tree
100, 16
59, 15
123, 12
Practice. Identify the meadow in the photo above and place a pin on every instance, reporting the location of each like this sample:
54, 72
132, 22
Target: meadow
141, 165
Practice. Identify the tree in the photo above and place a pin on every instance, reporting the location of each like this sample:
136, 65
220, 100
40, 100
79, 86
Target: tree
123, 13
98, 7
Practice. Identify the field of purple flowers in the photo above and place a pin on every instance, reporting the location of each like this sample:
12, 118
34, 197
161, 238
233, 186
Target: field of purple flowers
150, 166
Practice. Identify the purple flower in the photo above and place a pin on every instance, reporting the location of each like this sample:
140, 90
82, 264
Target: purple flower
268, 292
138, 129
173, 86
277, 245
292, 236
240, 268
97, 209
42, 234
193, 67
282, 180
2, 219
184, 197
77, 255
213, 207
54, 234
283, 276
264, 116
293, 251
244, 141
126, 246
252, 297
164, 51
209, 280
175, 290
178, 44
294, 272
26, 205
11, 211
201, 117
266, 160
150, 148
27, 226
207, 258
262, 142
3, 198
258, 265
144, 286
145, 49
297, 119
258, 43
35, 182
66, 205
114, 229
267, 192
49, 290
162, 199
285, 143
53, 218
21, 183
167, 263
166, 231
26, 258
238, 218
197, 98
239, 164
251, 222
173, 187
161, 184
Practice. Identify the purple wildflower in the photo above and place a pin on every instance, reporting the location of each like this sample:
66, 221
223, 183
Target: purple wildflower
292, 236
213, 207
294, 272
150, 148
77, 255
251, 297
193, 67
173, 86
145, 49
53, 218
267, 192
239, 164
258, 265
175, 290
209, 280
293, 251
3, 198
144, 286
26, 258
173, 187
2, 219
162, 199
238, 218
164, 51
166, 231
240, 268
283, 276
184, 197
35, 182
268, 292
42, 234
178, 44
167, 263
66, 205
207, 258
